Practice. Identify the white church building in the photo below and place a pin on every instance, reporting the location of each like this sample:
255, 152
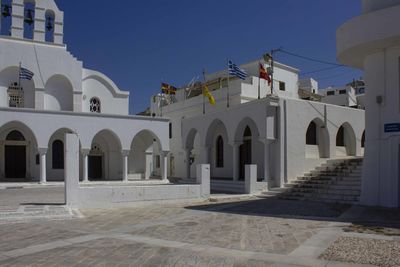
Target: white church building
64, 97
280, 133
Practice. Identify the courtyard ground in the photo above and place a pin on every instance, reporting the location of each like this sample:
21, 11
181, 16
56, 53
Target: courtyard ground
37, 230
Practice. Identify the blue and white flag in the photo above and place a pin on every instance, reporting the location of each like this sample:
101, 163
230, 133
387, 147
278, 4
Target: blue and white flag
235, 70
25, 74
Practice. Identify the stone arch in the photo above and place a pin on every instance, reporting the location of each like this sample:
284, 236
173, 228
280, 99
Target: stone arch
363, 139
50, 17
317, 140
29, 19
9, 79
241, 127
345, 141
18, 157
251, 149
58, 94
55, 173
193, 151
105, 158
144, 161
217, 129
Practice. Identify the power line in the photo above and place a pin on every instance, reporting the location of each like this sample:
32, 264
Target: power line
310, 59
321, 70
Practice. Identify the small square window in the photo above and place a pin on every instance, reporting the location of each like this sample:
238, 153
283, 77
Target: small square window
282, 86
330, 93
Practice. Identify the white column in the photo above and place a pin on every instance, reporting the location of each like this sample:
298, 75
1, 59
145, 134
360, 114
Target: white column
42, 153
235, 160
164, 164
267, 172
85, 169
148, 165
71, 170
188, 150
125, 154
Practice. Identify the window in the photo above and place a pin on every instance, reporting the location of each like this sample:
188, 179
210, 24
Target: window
58, 155
170, 130
282, 86
311, 136
342, 92
330, 93
220, 152
15, 136
340, 137
95, 105
37, 159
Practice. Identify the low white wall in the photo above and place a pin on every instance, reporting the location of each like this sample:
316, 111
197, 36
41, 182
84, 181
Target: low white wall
99, 196
108, 196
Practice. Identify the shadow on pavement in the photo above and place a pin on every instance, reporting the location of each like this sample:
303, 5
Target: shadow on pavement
308, 210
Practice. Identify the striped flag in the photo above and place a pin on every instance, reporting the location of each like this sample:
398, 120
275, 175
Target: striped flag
235, 70
25, 74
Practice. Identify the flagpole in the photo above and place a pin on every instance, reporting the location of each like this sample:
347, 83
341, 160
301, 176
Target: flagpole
202, 90
272, 74
259, 81
19, 76
227, 90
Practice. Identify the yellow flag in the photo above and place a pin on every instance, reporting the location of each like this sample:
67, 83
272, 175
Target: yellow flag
207, 93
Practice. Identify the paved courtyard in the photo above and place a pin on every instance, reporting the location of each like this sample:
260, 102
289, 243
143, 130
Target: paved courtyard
249, 231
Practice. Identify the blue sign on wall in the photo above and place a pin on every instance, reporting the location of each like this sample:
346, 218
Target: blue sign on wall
392, 127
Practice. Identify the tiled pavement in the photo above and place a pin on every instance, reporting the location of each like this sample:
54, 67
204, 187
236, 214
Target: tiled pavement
257, 232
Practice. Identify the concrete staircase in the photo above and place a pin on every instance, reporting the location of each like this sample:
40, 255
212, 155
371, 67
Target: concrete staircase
337, 181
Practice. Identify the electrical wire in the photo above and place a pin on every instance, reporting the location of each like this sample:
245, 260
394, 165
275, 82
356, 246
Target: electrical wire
309, 58
321, 70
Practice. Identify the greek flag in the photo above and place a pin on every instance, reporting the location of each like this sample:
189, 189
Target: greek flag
235, 70
25, 74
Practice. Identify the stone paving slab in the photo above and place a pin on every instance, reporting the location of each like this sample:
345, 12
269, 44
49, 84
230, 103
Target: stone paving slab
115, 252
36, 212
21, 235
231, 232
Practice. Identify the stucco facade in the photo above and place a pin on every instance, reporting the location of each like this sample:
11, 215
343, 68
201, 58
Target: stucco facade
377, 52
63, 97
270, 132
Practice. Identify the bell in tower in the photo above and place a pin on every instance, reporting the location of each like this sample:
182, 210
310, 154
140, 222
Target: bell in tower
6, 11
29, 17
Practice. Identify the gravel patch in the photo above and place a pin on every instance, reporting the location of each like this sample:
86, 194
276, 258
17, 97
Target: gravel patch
364, 251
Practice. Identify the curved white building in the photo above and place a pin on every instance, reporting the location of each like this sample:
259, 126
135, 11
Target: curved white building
371, 42
64, 97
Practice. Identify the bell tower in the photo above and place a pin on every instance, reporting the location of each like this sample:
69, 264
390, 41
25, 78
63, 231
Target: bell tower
36, 20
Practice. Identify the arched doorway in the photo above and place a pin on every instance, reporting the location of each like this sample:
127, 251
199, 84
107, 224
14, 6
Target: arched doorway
193, 150
317, 140
216, 149
245, 152
105, 158
144, 161
15, 155
345, 141
95, 162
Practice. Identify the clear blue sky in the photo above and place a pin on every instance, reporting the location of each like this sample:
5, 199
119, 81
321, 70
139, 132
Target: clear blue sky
140, 43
